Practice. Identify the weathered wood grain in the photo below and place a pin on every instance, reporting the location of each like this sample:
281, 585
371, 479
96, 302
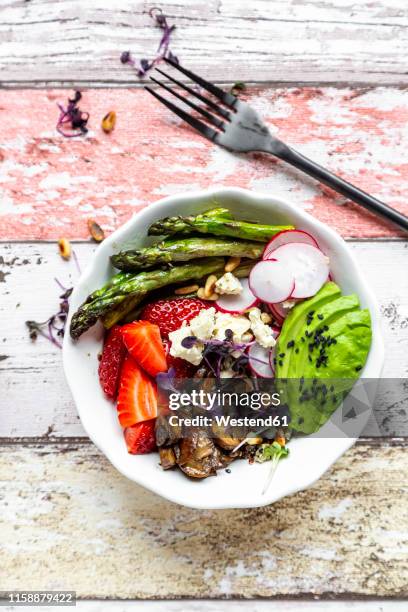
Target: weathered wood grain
51, 185
262, 40
35, 400
70, 521
280, 605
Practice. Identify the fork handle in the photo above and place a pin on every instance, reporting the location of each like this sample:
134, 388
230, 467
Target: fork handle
296, 159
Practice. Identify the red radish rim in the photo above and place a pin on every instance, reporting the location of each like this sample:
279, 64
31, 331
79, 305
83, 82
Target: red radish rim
221, 309
269, 261
263, 363
267, 250
277, 330
276, 315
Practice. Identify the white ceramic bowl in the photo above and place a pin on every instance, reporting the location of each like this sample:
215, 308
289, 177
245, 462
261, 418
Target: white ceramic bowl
242, 488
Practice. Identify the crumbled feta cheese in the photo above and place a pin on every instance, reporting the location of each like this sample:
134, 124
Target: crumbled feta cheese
289, 304
238, 324
262, 332
194, 354
202, 326
228, 285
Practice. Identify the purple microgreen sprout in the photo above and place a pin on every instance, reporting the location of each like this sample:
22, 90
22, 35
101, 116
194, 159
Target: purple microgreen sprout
54, 327
144, 65
72, 121
221, 350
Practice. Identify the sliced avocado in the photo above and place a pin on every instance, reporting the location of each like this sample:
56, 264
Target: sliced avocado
322, 368
296, 320
331, 312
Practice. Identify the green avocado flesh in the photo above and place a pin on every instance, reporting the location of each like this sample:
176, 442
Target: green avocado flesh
321, 350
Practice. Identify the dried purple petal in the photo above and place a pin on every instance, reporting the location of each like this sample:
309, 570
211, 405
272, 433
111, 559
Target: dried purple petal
163, 50
125, 57
72, 118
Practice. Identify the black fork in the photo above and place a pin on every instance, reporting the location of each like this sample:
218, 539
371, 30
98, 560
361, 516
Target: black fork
233, 124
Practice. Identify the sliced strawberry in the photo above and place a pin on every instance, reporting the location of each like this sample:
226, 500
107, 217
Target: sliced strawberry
140, 438
170, 314
143, 341
137, 398
113, 354
182, 368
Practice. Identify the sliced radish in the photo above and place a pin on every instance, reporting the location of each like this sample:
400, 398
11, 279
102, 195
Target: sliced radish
237, 303
259, 361
276, 331
279, 312
286, 237
272, 355
306, 264
271, 281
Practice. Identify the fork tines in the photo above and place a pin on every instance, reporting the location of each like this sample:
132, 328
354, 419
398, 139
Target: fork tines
225, 98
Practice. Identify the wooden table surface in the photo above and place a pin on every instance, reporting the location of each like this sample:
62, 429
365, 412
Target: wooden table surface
331, 79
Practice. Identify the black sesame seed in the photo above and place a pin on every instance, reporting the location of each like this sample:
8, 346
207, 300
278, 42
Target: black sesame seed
302, 339
296, 350
310, 359
280, 362
320, 316
290, 344
358, 368
281, 354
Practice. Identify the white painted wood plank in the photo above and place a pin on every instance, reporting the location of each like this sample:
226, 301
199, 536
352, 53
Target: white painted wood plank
36, 401
261, 40
272, 605
70, 521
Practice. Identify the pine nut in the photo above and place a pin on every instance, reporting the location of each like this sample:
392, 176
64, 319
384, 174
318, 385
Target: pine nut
200, 293
232, 263
254, 441
209, 285
213, 297
64, 248
109, 122
186, 290
96, 231
265, 317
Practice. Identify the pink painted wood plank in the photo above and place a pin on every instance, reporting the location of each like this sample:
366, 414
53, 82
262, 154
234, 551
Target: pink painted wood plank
50, 186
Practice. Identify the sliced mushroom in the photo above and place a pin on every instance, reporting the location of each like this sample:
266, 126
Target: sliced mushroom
223, 439
199, 457
166, 434
167, 457
228, 443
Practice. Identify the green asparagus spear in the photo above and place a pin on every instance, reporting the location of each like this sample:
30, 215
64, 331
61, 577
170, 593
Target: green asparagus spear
128, 305
138, 284
210, 223
132, 314
184, 249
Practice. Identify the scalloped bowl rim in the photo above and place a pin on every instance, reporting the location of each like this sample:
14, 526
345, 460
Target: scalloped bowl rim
310, 457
